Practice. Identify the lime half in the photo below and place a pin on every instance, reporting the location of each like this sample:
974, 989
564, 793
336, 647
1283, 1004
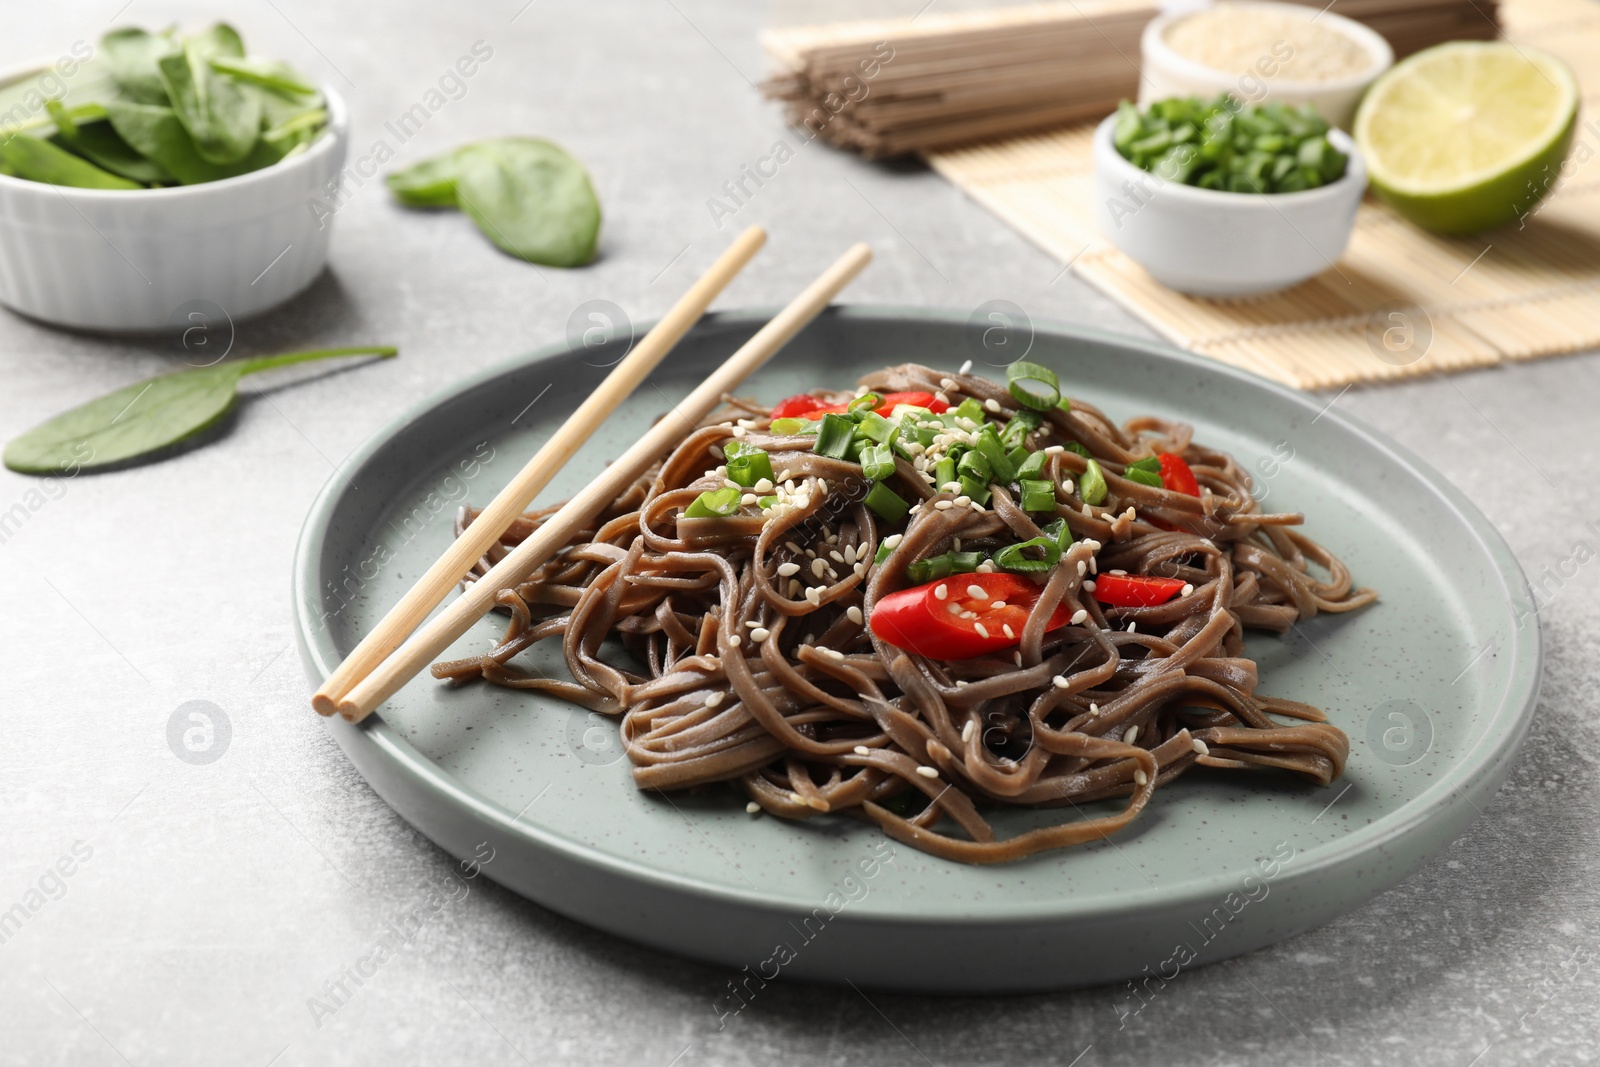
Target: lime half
1468, 135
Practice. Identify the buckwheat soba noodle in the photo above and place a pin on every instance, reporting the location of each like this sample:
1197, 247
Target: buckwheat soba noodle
927, 600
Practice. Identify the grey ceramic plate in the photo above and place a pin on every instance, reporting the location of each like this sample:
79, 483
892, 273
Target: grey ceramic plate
1435, 686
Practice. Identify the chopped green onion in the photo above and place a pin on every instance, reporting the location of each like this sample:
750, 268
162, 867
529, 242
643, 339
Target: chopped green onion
970, 409
1065, 404
883, 553
1033, 466
714, 504
1059, 532
974, 466
1033, 386
792, 427
978, 491
1148, 463
747, 464
766, 502
1076, 449
1021, 425
910, 431
987, 441
834, 436
886, 503
1092, 484
1038, 495
877, 462
862, 404
944, 472
1018, 456
1142, 476
943, 566
878, 428
1015, 558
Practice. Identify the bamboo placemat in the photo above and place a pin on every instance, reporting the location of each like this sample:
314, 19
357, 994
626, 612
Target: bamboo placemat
1508, 294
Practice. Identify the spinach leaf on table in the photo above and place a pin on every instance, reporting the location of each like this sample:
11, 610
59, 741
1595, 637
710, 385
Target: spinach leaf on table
148, 417
222, 116
527, 195
41, 161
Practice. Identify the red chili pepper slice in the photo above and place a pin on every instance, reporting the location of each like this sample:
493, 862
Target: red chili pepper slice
890, 401
796, 406
919, 620
1176, 475
1135, 590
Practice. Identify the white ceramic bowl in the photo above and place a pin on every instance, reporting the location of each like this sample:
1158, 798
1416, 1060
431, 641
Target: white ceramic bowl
1216, 244
141, 260
1165, 73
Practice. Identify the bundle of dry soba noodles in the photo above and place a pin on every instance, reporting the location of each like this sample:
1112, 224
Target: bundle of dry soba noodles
751, 612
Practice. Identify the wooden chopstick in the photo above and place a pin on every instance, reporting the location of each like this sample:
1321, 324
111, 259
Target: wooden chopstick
430, 641
515, 498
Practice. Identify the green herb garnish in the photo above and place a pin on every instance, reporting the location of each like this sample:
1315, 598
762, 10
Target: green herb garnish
714, 504
1033, 386
886, 503
1092, 484
1228, 146
747, 464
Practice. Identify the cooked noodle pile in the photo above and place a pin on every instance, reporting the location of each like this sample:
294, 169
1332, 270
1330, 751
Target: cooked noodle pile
747, 655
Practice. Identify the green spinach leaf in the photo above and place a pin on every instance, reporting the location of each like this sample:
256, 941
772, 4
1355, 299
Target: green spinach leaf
531, 199
157, 134
266, 73
428, 183
132, 55
222, 116
148, 417
98, 143
37, 160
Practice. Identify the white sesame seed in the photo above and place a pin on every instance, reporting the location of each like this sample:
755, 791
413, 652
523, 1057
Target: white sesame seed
1140, 778
860, 567
1088, 585
943, 505
965, 367
928, 772
1009, 632
1186, 590
760, 634
1016, 657
748, 424
893, 541
813, 595
915, 508
953, 608
764, 486
1082, 566
1132, 735
752, 808
1079, 616
1132, 625
986, 567
941, 591
784, 475
834, 654
968, 730
969, 614
822, 484
739, 431
833, 575
836, 556
792, 547
751, 624
962, 501
794, 588
748, 498
982, 630
850, 554
1094, 565
853, 613
788, 570
977, 592
714, 700
818, 567
1116, 570
735, 641
1054, 450
941, 398
950, 487
862, 750
1060, 681
980, 509
991, 404
997, 605
1199, 747
962, 683
947, 383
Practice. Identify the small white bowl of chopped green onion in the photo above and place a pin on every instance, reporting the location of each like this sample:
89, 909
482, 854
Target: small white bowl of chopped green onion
1219, 199
164, 175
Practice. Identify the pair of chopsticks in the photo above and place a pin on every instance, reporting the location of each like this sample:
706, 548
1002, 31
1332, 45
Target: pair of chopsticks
385, 659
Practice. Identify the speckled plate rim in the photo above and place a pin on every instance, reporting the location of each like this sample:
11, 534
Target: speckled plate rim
1502, 734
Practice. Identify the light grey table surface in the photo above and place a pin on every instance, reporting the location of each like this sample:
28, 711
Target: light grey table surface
215, 901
